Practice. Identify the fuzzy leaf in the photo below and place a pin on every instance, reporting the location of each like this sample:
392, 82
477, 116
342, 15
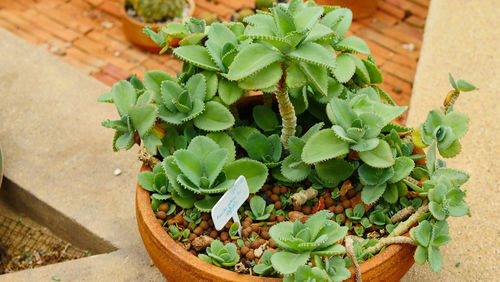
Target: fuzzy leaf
212, 84
294, 76
370, 194
403, 166
197, 87
287, 263
345, 68
314, 53
458, 122
465, 86
374, 72
307, 17
293, 170
457, 177
255, 173
435, 259
317, 76
339, 20
146, 180
224, 141
153, 80
213, 164
189, 164
216, 117
324, 145
420, 255
265, 118
283, 21
372, 176
262, 79
250, 60
143, 118
362, 103
380, 156
207, 203
124, 96
196, 55
258, 147
452, 150
151, 142
229, 91
334, 170
240, 134
344, 115
353, 44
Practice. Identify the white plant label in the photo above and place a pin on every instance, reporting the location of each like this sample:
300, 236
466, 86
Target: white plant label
228, 205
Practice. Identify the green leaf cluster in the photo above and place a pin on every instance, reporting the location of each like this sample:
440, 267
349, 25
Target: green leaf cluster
258, 209
298, 242
429, 237
220, 254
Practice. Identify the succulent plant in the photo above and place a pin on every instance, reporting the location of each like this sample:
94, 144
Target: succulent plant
384, 181
182, 103
298, 241
360, 250
153, 11
258, 209
355, 214
265, 266
193, 217
445, 197
220, 254
429, 237
137, 115
157, 183
201, 169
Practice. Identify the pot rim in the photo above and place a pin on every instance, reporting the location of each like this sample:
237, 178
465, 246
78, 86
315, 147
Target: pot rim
145, 211
192, 8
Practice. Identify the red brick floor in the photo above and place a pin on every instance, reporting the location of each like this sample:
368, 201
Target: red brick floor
88, 35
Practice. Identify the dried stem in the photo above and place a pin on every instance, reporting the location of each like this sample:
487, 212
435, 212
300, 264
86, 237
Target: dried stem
147, 158
389, 241
349, 248
300, 198
402, 214
401, 228
450, 100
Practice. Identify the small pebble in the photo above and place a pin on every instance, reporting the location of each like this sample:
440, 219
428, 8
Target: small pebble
107, 25
117, 172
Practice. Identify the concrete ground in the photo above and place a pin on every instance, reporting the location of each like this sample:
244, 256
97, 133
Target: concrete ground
56, 150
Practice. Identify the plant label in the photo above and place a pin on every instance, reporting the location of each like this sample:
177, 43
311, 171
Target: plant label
228, 205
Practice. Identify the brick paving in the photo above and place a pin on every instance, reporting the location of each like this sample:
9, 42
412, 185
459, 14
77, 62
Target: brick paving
88, 35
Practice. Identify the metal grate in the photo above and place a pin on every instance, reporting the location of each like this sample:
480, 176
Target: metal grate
23, 247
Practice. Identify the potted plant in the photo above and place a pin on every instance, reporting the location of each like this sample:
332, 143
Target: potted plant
337, 189
360, 8
138, 14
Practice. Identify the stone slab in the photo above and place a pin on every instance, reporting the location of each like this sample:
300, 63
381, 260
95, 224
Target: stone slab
56, 149
462, 37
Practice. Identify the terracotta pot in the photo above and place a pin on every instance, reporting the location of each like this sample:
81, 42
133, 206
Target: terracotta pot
359, 8
133, 29
177, 264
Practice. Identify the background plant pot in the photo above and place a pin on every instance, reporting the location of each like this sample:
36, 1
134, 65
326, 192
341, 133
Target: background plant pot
360, 8
133, 29
177, 264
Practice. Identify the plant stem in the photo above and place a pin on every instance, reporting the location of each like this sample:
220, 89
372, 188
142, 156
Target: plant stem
268, 99
450, 100
349, 248
401, 228
287, 110
389, 241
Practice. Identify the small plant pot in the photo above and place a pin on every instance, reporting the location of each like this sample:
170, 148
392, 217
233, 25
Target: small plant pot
360, 8
177, 264
133, 28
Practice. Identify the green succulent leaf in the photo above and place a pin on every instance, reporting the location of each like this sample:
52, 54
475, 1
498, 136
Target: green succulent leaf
146, 180
317, 76
403, 166
314, 53
216, 117
334, 170
224, 141
229, 92
207, 203
124, 97
380, 156
370, 194
420, 255
352, 44
143, 118
265, 118
153, 80
325, 145
190, 165
196, 55
293, 170
345, 68
240, 134
250, 60
287, 263
374, 72
339, 20
255, 173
